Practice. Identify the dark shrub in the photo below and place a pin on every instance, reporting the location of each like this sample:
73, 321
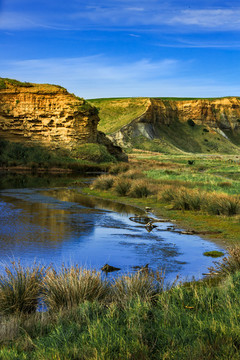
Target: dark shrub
191, 122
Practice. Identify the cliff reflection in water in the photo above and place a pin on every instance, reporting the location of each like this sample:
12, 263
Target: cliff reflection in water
36, 222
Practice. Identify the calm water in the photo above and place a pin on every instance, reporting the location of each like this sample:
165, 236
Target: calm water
60, 225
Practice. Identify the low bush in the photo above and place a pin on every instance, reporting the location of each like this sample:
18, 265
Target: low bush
166, 193
93, 152
182, 198
190, 199
133, 174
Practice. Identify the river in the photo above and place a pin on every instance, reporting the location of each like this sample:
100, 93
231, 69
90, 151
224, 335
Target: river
57, 225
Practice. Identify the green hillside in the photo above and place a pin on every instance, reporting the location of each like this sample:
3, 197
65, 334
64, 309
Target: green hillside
187, 136
115, 113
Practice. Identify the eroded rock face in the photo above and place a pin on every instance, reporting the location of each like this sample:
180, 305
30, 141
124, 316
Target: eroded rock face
222, 113
216, 115
46, 115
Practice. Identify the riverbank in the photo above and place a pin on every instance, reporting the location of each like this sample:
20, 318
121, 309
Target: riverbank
201, 193
225, 231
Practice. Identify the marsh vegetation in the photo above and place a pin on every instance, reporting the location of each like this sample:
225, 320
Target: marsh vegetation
88, 317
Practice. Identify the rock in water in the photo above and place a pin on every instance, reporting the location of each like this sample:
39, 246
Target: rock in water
109, 268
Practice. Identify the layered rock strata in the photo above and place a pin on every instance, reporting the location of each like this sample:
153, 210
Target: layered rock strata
50, 116
46, 115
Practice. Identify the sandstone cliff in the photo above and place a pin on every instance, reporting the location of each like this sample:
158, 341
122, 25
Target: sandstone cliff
223, 113
47, 115
180, 124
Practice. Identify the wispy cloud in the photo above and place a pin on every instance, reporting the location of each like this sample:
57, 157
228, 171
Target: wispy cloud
118, 14
12, 20
93, 76
97, 76
226, 19
184, 44
135, 35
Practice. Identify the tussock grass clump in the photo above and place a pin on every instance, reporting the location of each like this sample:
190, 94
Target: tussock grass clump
122, 186
72, 286
167, 193
118, 168
215, 203
188, 199
20, 288
222, 204
142, 285
182, 198
103, 182
140, 189
133, 174
229, 264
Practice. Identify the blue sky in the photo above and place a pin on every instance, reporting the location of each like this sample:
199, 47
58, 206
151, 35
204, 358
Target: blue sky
117, 48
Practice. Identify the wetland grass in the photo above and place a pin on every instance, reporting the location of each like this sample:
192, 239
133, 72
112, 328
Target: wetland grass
20, 288
197, 320
72, 286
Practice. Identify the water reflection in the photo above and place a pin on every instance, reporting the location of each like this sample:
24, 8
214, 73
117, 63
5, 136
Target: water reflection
59, 225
